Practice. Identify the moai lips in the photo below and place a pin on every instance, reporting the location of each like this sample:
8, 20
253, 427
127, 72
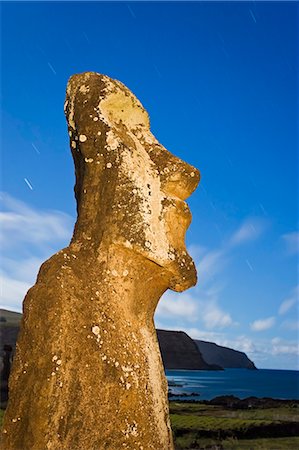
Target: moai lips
88, 372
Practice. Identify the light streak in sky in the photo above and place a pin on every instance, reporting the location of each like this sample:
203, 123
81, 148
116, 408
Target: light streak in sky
28, 184
86, 37
213, 206
249, 265
263, 209
131, 11
157, 70
204, 190
52, 68
35, 148
252, 15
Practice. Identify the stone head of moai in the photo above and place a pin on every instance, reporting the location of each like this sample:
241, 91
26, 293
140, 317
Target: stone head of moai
130, 189
87, 372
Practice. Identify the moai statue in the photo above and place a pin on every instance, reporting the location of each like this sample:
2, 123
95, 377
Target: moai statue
88, 372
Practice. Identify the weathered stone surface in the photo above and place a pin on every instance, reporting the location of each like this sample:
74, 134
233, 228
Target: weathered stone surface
87, 372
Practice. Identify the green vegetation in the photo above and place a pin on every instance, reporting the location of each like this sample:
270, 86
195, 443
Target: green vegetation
215, 425
191, 442
200, 426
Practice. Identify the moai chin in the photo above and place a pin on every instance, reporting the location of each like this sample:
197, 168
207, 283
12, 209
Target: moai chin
88, 372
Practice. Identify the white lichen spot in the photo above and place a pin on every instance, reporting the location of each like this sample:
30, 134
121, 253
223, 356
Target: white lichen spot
14, 420
116, 364
70, 134
60, 384
126, 369
73, 144
147, 244
97, 293
112, 140
99, 133
108, 165
55, 357
128, 385
114, 273
88, 160
58, 362
96, 330
84, 89
172, 256
53, 374
104, 358
125, 273
82, 138
95, 119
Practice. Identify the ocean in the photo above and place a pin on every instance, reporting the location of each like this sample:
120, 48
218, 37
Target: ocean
242, 383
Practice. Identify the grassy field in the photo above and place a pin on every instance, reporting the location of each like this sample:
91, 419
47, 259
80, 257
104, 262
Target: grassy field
199, 426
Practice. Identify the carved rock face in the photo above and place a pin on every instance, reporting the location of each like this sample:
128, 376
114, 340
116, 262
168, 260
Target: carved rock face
87, 373
141, 187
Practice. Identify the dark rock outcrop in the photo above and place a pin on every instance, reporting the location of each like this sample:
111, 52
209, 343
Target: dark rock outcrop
9, 327
224, 356
179, 351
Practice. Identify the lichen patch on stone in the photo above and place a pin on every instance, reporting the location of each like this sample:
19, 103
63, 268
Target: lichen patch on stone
96, 330
82, 138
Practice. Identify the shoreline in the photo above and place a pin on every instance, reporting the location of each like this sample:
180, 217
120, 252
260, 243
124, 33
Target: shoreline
233, 402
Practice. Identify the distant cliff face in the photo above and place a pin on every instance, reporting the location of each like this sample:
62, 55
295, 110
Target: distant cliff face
179, 351
225, 357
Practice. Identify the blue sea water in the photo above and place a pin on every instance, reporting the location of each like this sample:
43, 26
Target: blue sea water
281, 384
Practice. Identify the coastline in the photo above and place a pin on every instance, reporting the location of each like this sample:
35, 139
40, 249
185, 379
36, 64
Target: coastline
241, 383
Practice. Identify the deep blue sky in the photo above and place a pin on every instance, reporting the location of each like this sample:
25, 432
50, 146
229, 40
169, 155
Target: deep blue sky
220, 83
